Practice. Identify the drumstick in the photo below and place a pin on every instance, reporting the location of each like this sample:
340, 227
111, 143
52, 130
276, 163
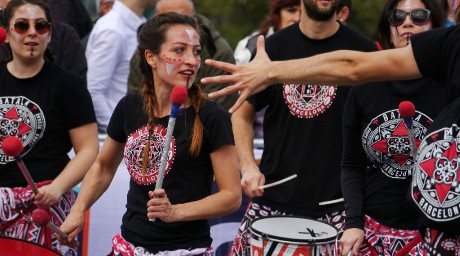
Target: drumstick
41, 218
278, 182
12, 146
331, 202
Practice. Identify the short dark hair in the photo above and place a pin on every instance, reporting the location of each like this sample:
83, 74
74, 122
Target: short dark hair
343, 3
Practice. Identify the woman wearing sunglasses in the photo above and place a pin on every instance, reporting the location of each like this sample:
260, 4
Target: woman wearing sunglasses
51, 112
377, 159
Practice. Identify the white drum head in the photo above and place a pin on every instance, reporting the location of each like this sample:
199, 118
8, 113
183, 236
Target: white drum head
293, 229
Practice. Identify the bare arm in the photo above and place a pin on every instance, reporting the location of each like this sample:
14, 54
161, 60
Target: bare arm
95, 183
227, 200
347, 67
100, 175
339, 67
252, 178
86, 145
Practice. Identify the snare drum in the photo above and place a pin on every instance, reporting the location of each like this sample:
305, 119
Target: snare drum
291, 235
13, 247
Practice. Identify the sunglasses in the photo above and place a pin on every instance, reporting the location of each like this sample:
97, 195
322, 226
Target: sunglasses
41, 26
418, 16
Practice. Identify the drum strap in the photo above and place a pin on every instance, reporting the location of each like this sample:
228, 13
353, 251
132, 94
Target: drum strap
405, 250
5, 225
373, 251
22, 196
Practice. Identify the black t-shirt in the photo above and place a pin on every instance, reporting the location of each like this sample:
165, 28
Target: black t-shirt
435, 186
302, 127
186, 178
377, 161
40, 111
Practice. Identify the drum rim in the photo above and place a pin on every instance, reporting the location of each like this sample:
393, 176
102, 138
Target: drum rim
29, 242
293, 240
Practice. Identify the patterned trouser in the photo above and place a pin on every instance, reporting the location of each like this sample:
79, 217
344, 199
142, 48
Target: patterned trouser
121, 247
241, 243
438, 243
16, 211
382, 240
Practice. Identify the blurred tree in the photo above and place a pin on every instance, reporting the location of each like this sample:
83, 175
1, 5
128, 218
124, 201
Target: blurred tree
236, 19
365, 15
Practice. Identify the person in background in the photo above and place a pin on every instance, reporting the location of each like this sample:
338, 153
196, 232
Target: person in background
216, 47
296, 116
110, 47
105, 6
50, 111
377, 160
72, 13
65, 48
202, 150
282, 13
434, 188
450, 15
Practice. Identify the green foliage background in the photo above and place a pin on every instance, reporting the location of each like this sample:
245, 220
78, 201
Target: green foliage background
235, 19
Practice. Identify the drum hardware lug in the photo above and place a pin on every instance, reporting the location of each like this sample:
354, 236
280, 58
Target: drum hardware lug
28, 218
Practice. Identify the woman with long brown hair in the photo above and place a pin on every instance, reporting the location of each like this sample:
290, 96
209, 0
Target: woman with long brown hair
202, 148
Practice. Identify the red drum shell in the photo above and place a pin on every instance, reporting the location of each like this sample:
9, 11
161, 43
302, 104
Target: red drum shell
13, 247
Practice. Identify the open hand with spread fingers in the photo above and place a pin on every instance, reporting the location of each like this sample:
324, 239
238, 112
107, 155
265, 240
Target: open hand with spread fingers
246, 79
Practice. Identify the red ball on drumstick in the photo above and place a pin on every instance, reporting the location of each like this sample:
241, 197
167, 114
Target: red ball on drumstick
12, 146
407, 111
42, 218
2, 35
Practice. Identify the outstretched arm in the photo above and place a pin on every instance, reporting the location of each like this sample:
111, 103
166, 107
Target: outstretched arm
95, 183
339, 67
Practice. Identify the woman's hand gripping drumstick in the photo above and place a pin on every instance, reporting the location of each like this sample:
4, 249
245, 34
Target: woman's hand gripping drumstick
253, 182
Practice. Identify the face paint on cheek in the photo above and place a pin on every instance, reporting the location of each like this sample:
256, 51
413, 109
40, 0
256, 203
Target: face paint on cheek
170, 63
15, 35
172, 60
426, 27
169, 68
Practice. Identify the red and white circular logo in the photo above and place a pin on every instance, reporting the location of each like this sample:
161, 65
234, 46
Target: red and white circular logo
308, 101
386, 143
134, 149
436, 182
22, 118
